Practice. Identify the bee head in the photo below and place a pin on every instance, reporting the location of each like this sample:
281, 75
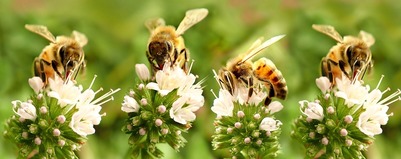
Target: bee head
71, 57
160, 51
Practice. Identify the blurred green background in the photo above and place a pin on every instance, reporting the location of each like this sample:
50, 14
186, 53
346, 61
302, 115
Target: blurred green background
118, 39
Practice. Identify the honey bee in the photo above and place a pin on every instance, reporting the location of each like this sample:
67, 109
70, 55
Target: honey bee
166, 43
350, 56
63, 57
242, 71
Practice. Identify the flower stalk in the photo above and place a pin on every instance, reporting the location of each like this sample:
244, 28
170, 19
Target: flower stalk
159, 109
343, 120
55, 121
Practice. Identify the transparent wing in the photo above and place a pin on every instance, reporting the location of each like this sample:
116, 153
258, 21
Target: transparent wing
80, 38
152, 24
256, 49
328, 30
42, 31
191, 18
367, 38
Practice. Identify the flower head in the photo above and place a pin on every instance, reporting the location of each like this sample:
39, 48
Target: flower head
353, 92
142, 71
25, 110
36, 84
64, 91
312, 110
168, 79
269, 124
223, 105
323, 83
129, 105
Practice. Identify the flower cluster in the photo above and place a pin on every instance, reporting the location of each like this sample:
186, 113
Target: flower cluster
160, 109
55, 121
343, 121
245, 125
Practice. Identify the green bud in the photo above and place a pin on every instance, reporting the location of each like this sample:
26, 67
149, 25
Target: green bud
331, 124
43, 123
146, 115
33, 129
321, 129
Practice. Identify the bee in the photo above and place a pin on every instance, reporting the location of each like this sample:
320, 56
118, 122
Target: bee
242, 71
350, 56
166, 43
63, 57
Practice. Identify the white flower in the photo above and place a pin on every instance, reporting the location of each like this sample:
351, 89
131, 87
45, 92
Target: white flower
142, 71
312, 110
369, 122
192, 93
274, 107
36, 84
223, 105
84, 119
352, 91
258, 95
323, 83
168, 79
24, 109
64, 91
269, 124
181, 114
129, 105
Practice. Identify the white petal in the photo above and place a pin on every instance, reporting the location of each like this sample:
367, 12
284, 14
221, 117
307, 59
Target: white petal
323, 83
142, 71
36, 84
130, 105
274, 107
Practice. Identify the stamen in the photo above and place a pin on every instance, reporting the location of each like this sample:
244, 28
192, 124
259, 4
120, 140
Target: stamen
104, 96
385, 91
110, 99
190, 66
211, 90
100, 89
93, 80
380, 81
384, 101
215, 76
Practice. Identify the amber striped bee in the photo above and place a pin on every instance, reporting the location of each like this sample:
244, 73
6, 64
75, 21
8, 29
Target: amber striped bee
350, 56
63, 57
242, 71
166, 43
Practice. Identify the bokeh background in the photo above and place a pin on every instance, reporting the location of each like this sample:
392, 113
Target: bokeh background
118, 39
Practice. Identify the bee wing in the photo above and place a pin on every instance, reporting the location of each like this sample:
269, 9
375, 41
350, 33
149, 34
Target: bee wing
191, 18
367, 38
256, 49
42, 31
80, 38
328, 30
152, 24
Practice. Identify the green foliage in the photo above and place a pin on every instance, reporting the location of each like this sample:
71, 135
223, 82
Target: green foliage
117, 40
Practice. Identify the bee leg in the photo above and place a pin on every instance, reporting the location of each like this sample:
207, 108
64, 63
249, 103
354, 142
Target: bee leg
329, 71
186, 59
152, 62
54, 66
250, 86
269, 97
341, 63
38, 69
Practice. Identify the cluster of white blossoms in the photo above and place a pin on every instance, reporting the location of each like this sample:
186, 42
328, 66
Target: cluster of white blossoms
349, 114
63, 107
244, 125
170, 99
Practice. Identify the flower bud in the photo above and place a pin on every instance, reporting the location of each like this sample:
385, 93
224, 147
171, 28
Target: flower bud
37, 141
259, 142
255, 134
21, 119
61, 119
247, 140
40, 96
330, 110
343, 132
331, 123
240, 114
33, 129
164, 131
348, 142
129, 127
43, 123
142, 71
158, 122
131, 93
61, 143
256, 116
144, 101
141, 86
312, 135
43, 110
25, 135
348, 119
325, 141
321, 129
161, 109
237, 125
229, 130
142, 131
56, 132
